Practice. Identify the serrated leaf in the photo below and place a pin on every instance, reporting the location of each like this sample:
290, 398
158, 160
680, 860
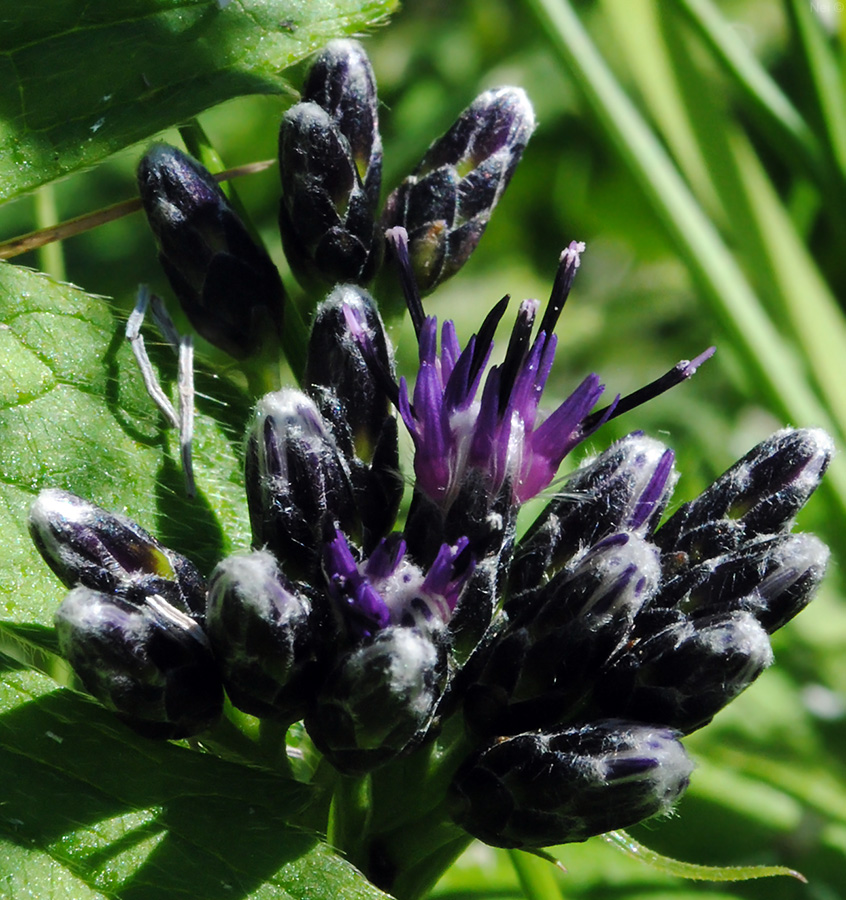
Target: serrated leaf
82, 80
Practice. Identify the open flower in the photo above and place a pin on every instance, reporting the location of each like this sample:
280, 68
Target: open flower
496, 431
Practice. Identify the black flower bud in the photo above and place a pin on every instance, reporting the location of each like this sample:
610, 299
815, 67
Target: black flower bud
269, 636
84, 544
298, 483
772, 577
339, 376
330, 163
541, 672
763, 491
445, 204
143, 659
685, 673
341, 81
227, 284
626, 488
379, 700
350, 375
536, 790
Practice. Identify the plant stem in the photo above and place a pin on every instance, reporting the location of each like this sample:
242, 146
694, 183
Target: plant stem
51, 258
417, 881
536, 876
349, 818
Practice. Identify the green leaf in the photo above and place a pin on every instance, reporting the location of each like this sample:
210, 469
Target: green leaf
691, 870
74, 414
82, 80
88, 810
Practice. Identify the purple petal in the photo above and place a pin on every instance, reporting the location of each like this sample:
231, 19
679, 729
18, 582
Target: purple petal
555, 438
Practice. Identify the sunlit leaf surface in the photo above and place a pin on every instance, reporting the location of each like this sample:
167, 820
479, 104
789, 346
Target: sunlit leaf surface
82, 80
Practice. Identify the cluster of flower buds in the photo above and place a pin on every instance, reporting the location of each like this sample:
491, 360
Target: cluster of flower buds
617, 638
132, 625
576, 657
330, 159
573, 659
330, 164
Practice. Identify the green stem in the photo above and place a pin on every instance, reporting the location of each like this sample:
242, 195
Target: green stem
51, 258
536, 876
349, 818
416, 785
416, 881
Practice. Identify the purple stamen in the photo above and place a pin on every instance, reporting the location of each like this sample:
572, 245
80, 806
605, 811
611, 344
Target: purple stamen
680, 372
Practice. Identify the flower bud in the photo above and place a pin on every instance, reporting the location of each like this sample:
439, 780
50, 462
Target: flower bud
268, 637
541, 672
536, 790
379, 700
445, 204
143, 659
388, 589
330, 163
687, 672
626, 488
338, 374
772, 577
298, 484
763, 491
84, 544
341, 81
227, 284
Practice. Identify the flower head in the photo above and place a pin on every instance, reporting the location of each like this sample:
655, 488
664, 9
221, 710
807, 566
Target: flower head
560, 669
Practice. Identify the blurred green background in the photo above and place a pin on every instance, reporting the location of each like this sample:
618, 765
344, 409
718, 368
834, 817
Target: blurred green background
743, 100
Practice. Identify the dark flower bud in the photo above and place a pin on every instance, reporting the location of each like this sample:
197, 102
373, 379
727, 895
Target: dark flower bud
341, 81
143, 659
536, 790
626, 488
445, 204
541, 672
268, 635
688, 671
773, 577
763, 491
340, 378
298, 483
796, 569
379, 700
84, 544
350, 375
227, 284
330, 163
